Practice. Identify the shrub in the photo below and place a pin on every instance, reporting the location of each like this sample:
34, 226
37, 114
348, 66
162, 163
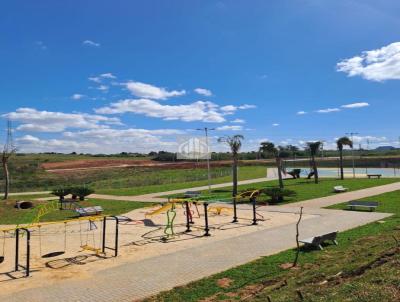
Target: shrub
82, 192
61, 192
277, 194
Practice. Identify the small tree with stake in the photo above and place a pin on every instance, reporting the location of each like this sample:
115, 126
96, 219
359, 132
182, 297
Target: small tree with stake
234, 143
8, 151
341, 142
269, 148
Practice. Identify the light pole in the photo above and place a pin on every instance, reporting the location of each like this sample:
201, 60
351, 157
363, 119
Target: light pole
208, 155
352, 151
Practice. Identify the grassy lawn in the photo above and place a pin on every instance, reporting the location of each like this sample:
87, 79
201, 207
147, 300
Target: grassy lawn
365, 266
176, 179
10, 215
305, 188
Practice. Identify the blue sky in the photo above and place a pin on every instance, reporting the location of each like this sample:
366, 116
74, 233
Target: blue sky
112, 76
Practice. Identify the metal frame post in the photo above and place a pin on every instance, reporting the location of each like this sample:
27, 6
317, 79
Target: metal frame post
28, 251
234, 211
115, 248
188, 230
253, 200
206, 229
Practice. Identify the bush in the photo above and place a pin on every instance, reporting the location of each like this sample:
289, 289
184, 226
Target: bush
277, 194
82, 192
61, 192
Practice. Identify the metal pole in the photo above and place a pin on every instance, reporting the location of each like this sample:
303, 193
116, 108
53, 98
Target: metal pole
188, 230
352, 152
234, 210
253, 200
116, 236
206, 229
16, 249
208, 161
103, 248
28, 252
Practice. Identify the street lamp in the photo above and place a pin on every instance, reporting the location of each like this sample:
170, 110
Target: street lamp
351, 134
208, 155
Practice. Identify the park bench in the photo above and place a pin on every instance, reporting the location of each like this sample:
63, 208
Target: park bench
317, 241
89, 211
339, 189
295, 173
372, 205
374, 176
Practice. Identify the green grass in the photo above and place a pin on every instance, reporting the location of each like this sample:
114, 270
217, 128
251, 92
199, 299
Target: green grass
10, 215
178, 179
305, 189
357, 247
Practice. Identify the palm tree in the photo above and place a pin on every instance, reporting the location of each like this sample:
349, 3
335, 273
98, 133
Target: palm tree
234, 143
269, 148
314, 147
341, 142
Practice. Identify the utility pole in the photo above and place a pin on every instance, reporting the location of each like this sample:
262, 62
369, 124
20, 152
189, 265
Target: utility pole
208, 155
351, 134
366, 166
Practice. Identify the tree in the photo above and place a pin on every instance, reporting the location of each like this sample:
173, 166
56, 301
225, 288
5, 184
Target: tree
269, 148
314, 147
8, 151
341, 142
234, 143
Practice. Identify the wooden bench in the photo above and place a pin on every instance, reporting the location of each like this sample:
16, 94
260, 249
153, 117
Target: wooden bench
317, 241
89, 211
372, 205
374, 176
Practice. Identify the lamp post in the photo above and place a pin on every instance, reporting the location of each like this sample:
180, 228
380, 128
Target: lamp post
208, 155
352, 151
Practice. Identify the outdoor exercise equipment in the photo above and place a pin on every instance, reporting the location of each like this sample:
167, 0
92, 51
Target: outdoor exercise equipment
164, 208
3, 248
28, 251
169, 228
56, 253
219, 209
104, 246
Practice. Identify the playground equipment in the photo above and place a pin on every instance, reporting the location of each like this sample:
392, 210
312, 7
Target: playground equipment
3, 247
218, 210
169, 228
86, 246
56, 253
28, 251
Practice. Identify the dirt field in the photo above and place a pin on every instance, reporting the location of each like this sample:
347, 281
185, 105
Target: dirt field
121, 163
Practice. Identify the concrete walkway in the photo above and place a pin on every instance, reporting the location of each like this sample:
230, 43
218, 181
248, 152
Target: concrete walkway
137, 280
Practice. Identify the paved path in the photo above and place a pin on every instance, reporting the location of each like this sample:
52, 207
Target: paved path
137, 280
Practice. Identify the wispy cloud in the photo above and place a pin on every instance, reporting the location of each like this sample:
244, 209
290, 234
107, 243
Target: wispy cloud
328, 110
230, 128
91, 43
301, 112
41, 45
77, 96
143, 90
238, 121
275, 125
355, 105
203, 91
376, 65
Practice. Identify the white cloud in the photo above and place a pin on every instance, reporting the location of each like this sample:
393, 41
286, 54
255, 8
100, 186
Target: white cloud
104, 141
275, 125
91, 43
375, 65
238, 121
103, 88
247, 106
328, 110
301, 112
230, 128
197, 111
95, 79
108, 75
77, 96
355, 105
143, 90
203, 91
45, 121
